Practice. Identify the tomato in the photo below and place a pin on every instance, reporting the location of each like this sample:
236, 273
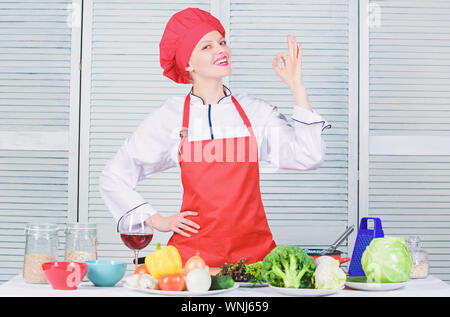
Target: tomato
141, 269
171, 282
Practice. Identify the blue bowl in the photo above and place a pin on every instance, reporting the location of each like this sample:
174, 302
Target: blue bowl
105, 272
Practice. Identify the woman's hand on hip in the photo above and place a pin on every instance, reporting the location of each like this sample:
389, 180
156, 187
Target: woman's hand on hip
291, 73
176, 223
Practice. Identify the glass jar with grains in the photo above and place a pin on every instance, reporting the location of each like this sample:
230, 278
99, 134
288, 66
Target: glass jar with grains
419, 257
81, 242
41, 245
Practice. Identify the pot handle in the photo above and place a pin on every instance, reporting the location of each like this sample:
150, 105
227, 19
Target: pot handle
343, 260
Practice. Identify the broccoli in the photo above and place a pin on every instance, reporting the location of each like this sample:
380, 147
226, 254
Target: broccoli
288, 266
254, 270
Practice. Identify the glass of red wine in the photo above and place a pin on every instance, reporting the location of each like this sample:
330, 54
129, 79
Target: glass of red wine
134, 233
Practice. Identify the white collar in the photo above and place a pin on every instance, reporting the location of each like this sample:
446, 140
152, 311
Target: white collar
197, 99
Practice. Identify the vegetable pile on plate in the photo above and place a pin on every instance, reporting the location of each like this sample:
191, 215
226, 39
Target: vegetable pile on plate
290, 267
163, 271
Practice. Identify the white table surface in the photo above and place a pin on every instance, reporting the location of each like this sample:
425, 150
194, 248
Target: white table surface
17, 287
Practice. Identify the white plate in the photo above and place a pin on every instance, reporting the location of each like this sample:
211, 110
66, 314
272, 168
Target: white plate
303, 291
364, 286
182, 293
249, 284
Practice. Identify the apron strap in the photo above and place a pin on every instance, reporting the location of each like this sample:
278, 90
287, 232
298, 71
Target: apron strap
243, 116
185, 125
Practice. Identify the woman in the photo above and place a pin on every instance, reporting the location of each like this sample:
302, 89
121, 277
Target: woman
217, 139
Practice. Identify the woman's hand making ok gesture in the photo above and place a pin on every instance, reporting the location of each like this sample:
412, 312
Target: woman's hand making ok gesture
291, 73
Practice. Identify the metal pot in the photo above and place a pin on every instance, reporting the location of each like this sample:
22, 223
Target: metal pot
336, 254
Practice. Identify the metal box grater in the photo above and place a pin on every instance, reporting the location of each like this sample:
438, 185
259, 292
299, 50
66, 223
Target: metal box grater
365, 235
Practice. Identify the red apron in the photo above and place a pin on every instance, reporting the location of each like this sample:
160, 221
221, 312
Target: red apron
220, 179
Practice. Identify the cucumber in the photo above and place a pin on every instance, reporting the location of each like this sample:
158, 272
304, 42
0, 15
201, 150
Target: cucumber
221, 282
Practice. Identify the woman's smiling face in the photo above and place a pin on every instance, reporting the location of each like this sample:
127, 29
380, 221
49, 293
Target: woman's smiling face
210, 57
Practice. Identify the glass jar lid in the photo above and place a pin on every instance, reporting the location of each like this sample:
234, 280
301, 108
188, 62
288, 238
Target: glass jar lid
414, 243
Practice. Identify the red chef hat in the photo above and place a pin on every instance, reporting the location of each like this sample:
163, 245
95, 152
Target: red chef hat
183, 31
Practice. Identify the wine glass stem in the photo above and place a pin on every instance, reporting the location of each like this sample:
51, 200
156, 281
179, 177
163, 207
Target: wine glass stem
136, 258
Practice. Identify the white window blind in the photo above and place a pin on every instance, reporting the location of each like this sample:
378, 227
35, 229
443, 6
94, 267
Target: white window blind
39, 93
408, 122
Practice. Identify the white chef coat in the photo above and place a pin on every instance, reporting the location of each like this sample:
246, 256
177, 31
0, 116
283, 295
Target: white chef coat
153, 147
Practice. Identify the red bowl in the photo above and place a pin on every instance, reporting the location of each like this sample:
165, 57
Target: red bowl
64, 275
